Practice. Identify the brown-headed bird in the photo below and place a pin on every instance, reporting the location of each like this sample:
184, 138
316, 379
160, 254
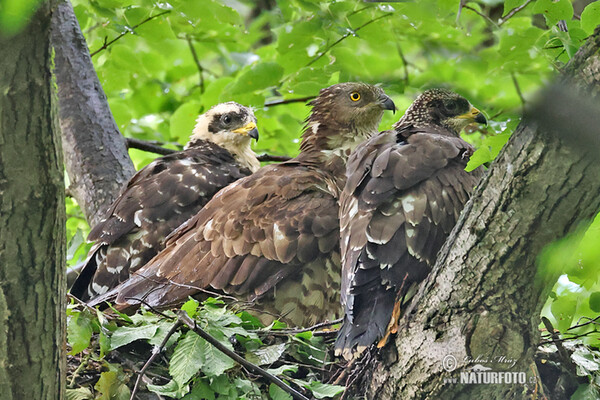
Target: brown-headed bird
272, 238
405, 191
165, 193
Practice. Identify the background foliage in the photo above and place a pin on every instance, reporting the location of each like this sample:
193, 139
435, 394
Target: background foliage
163, 63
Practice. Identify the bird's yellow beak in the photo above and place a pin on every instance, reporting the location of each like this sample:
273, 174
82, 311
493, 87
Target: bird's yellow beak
248, 129
474, 115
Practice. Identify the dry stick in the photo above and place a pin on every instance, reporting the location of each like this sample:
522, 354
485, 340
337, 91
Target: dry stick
197, 61
153, 147
190, 323
130, 30
155, 352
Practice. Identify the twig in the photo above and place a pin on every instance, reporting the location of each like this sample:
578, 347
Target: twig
79, 368
344, 36
404, 63
155, 352
300, 330
554, 341
149, 307
130, 30
151, 147
512, 12
488, 19
288, 101
518, 88
197, 61
190, 323
590, 321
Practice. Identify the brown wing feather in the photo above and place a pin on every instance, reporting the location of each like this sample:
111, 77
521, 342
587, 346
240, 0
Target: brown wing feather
400, 202
278, 223
156, 200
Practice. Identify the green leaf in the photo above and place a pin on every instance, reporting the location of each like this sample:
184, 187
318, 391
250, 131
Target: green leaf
79, 332
554, 10
324, 390
200, 391
259, 76
190, 307
266, 355
171, 389
595, 301
585, 392
187, 358
489, 149
76, 241
590, 17
163, 329
563, 310
510, 4
125, 335
81, 393
183, 120
111, 384
280, 370
215, 362
276, 393
15, 14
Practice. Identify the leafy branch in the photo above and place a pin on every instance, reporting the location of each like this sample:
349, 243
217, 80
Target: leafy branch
197, 62
512, 12
182, 317
351, 32
289, 101
155, 352
156, 148
129, 30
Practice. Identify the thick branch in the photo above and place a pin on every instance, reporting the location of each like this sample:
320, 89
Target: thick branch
96, 156
483, 298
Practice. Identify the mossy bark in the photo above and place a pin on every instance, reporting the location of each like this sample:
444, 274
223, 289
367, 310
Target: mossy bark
32, 219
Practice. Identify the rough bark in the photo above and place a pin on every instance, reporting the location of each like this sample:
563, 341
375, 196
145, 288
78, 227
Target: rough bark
96, 157
32, 219
484, 296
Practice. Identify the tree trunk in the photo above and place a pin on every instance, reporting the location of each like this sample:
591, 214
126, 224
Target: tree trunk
96, 157
484, 296
32, 219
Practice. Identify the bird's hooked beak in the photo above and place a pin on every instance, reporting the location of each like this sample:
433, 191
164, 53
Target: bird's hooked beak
249, 129
474, 115
387, 103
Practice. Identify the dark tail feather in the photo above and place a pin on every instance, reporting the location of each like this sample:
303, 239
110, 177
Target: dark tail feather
371, 311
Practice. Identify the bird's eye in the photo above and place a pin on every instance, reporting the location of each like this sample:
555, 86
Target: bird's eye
451, 106
355, 96
226, 119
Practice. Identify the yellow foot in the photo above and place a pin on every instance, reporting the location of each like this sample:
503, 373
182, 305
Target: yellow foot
392, 326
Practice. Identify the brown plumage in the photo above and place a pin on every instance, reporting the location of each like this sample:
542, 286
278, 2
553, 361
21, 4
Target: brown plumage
165, 193
405, 191
271, 238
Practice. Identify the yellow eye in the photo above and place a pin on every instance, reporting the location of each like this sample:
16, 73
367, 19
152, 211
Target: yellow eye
355, 96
